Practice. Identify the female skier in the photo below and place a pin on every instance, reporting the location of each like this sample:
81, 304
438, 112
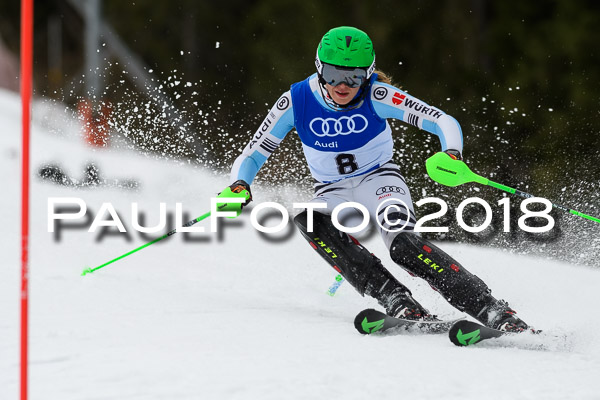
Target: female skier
340, 114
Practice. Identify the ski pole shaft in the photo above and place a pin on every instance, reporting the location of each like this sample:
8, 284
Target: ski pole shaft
336, 285
451, 172
527, 196
89, 270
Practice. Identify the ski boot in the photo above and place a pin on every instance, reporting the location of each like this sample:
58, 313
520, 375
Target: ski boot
500, 316
401, 304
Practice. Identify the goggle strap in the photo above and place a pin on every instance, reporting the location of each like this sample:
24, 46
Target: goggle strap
371, 69
319, 64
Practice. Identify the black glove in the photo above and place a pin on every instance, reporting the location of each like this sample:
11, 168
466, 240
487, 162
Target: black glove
455, 154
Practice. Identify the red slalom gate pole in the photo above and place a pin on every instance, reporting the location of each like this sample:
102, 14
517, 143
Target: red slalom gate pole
26, 86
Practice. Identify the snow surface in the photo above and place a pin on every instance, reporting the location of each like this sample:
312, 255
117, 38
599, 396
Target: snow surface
237, 316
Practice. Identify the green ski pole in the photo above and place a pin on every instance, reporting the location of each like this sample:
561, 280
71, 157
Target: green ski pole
339, 279
450, 172
225, 194
89, 270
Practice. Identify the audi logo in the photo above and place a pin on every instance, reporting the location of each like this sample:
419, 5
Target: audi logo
340, 126
389, 189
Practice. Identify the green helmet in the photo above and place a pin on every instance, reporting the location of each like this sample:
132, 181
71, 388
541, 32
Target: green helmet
346, 46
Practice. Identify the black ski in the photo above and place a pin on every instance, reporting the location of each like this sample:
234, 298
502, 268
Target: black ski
467, 333
371, 321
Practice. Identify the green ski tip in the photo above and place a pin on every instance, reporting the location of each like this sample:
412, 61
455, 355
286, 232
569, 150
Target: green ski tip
87, 270
468, 338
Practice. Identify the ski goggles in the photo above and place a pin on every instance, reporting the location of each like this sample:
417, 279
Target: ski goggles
352, 77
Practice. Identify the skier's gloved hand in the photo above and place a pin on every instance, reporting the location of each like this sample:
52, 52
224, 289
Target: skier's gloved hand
455, 154
238, 189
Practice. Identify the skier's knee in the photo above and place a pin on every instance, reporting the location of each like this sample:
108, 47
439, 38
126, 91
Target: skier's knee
304, 224
301, 221
395, 220
405, 246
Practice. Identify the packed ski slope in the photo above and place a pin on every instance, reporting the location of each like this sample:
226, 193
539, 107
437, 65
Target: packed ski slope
236, 316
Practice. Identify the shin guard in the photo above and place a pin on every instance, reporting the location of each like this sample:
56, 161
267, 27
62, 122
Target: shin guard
458, 286
354, 262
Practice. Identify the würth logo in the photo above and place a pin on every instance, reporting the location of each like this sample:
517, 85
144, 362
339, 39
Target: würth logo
398, 98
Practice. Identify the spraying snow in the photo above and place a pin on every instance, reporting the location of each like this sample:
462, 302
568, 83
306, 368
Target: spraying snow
238, 316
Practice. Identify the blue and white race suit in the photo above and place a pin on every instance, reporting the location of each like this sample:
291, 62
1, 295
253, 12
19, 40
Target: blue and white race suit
349, 152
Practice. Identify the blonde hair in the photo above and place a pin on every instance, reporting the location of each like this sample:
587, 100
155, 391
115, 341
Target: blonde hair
383, 77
